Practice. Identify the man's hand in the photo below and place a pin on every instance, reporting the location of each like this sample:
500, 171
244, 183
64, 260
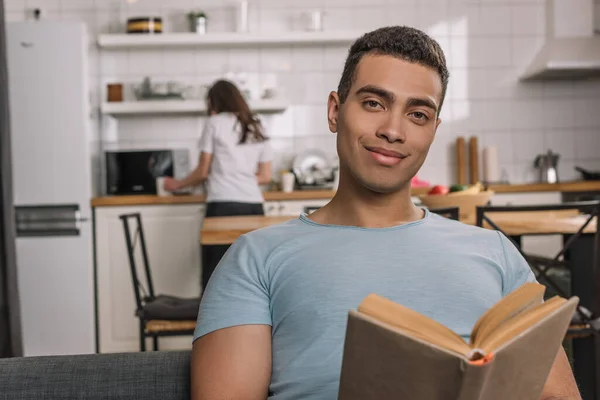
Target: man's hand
561, 384
232, 363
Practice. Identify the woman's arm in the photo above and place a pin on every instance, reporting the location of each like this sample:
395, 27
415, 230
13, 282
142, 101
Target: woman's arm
264, 173
196, 177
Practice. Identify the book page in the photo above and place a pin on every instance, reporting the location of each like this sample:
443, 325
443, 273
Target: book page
519, 301
522, 322
413, 323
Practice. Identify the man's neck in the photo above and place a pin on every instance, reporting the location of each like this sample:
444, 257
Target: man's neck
355, 205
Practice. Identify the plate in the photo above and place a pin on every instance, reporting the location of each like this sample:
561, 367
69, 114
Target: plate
312, 167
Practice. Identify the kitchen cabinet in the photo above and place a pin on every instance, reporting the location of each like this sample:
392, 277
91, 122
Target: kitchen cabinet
172, 241
505, 199
291, 207
297, 207
271, 208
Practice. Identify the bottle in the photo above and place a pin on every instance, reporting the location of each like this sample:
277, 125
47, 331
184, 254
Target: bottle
242, 16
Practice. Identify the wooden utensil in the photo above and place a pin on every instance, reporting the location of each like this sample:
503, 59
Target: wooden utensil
461, 161
473, 160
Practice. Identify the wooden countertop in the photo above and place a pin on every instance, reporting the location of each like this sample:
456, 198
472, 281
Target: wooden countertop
140, 200
143, 200
226, 230
575, 186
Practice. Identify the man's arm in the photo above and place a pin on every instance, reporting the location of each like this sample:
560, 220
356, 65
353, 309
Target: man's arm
560, 384
232, 363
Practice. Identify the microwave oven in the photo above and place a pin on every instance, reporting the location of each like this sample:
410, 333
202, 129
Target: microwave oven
135, 172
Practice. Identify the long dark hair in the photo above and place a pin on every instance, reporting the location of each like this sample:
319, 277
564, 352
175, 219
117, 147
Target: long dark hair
224, 96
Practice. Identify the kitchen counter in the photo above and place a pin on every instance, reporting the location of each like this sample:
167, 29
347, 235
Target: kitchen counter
575, 186
140, 200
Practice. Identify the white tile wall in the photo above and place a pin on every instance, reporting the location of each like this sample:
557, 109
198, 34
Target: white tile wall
487, 43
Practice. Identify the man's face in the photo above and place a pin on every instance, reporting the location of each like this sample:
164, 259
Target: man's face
387, 123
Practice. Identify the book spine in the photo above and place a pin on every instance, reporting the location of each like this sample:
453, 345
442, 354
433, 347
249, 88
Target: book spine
474, 379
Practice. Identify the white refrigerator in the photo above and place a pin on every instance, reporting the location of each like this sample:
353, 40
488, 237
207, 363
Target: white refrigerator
51, 166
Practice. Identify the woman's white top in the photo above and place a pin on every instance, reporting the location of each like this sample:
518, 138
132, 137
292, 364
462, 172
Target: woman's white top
232, 175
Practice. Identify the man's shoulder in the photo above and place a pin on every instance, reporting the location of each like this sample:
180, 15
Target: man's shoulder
452, 223
461, 231
270, 237
460, 240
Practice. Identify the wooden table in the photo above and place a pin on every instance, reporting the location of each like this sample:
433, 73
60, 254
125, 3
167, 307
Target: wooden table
226, 230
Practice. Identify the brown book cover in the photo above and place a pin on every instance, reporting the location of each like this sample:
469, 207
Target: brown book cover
381, 361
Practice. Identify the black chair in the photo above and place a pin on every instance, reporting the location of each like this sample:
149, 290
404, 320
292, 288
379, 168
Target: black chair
159, 315
543, 266
448, 212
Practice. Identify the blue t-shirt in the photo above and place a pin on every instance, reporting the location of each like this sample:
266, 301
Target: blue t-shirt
302, 278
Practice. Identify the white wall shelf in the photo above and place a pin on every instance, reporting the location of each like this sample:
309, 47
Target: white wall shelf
133, 41
193, 107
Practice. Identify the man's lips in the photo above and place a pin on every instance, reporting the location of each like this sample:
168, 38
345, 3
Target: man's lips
385, 156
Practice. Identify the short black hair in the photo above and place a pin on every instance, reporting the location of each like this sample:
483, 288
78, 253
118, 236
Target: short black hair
403, 42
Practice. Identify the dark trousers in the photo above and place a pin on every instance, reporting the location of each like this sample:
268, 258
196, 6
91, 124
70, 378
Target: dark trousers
212, 254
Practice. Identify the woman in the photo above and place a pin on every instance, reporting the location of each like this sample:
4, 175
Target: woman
235, 158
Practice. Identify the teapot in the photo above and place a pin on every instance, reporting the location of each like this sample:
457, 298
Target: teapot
547, 165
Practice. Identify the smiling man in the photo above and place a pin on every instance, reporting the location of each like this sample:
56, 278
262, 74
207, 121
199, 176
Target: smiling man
272, 320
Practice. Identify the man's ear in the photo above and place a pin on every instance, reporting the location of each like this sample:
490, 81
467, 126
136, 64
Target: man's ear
333, 110
437, 125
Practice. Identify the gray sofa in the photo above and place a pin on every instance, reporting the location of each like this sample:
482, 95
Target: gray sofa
161, 375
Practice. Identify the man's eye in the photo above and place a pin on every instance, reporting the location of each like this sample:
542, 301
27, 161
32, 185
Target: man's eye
420, 115
372, 104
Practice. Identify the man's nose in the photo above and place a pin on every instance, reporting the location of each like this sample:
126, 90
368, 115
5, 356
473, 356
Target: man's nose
392, 130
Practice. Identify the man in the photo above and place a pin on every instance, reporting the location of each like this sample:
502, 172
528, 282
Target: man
272, 321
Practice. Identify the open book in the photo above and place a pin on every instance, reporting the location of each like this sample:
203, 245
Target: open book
394, 352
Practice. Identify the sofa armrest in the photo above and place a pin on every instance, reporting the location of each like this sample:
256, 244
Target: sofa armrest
161, 375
